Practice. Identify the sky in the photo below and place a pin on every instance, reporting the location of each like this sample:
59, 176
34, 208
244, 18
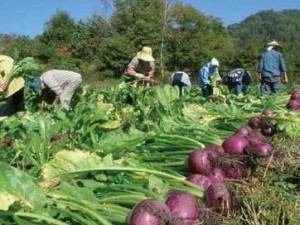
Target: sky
28, 17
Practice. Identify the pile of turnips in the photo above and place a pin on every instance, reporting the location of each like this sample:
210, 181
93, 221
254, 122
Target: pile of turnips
212, 168
180, 208
294, 102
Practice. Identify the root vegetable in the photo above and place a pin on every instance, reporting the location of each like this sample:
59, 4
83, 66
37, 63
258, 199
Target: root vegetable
200, 180
235, 144
198, 161
255, 122
219, 198
150, 212
183, 205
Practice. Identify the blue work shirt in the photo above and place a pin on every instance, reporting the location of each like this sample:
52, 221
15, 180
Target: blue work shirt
271, 64
204, 73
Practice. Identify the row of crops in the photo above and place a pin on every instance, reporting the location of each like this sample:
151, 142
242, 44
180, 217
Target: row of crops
123, 156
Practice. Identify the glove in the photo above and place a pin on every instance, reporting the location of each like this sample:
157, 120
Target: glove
140, 75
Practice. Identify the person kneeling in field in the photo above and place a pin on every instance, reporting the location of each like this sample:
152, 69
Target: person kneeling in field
180, 79
60, 83
238, 80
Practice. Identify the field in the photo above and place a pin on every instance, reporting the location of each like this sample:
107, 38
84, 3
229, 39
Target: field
120, 146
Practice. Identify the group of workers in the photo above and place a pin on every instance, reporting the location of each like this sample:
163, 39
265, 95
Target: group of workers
59, 84
271, 71
62, 84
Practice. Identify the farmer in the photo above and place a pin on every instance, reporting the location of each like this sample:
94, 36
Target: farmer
61, 83
205, 76
180, 79
238, 80
12, 94
271, 69
142, 66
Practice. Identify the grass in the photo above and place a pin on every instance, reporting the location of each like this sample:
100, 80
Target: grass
272, 194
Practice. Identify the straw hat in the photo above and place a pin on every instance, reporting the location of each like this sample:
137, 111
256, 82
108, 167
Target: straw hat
145, 54
274, 43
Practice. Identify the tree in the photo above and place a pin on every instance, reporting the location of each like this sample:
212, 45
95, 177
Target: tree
195, 39
59, 30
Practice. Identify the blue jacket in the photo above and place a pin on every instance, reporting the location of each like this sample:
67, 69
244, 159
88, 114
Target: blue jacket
271, 64
204, 73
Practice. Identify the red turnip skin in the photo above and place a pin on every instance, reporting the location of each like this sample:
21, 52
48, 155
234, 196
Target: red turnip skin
216, 175
235, 144
219, 198
293, 105
256, 137
244, 131
183, 205
214, 151
268, 128
200, 180
268, 112
150, 212
233, 172
199, 162
262, 149
254, 122
295, 95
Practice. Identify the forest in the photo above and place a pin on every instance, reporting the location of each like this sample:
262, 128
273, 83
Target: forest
181, 38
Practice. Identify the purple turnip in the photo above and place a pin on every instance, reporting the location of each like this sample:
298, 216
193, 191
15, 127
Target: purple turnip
214, 151
235, 144
150, 212
268, 128
293, 105
219, 198
183, 205
268, 112
295, 95
262, 149
244, 131
233, 172
216, 175
200, 180
254, 122
198, 162
256, 137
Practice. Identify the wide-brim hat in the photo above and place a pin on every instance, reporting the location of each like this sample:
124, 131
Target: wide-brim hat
36, 84
274, 43
145, 54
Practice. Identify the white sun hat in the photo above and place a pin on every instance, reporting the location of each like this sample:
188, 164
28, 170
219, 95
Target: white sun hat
214, 62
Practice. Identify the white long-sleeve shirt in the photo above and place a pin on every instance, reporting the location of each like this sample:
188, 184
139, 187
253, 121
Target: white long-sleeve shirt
56, 80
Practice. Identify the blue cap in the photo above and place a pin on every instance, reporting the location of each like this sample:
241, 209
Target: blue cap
36, 85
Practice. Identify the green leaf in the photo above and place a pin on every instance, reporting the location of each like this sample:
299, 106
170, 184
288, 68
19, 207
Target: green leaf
73, 161
17, 187
158, 186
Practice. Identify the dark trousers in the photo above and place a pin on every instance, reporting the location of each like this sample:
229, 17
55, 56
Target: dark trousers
12, 104
177, 82
270, 85
209, 90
